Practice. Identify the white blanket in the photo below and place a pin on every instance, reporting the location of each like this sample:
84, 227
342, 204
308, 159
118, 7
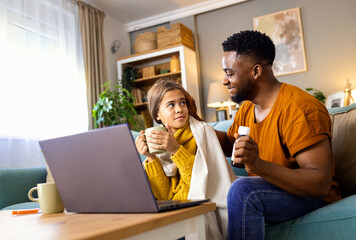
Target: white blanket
211, 177
169, 168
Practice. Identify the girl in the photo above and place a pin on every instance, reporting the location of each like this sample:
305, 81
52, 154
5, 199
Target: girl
168, 105
192, 154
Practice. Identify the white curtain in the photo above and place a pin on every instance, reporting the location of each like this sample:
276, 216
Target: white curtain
42, 82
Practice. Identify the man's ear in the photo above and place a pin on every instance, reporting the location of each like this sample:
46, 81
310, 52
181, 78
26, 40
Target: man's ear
256, 71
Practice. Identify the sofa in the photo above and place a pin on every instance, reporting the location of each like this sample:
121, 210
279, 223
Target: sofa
334, 221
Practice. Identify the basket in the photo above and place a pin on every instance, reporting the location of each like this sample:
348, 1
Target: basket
145, 42
177, 34
148, 71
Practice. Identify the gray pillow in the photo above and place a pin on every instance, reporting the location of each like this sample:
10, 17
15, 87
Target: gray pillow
344, 148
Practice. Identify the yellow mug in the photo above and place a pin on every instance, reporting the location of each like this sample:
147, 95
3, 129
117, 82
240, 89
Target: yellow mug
48, 197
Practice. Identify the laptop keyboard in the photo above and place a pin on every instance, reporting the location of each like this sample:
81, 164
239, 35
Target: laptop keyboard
164, 203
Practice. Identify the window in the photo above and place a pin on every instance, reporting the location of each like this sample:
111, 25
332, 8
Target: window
42, 83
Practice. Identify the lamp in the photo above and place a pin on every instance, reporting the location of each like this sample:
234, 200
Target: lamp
342, 98
219, 97
115, 46
348, 98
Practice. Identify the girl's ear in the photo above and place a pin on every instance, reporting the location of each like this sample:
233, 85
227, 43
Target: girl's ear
158, 117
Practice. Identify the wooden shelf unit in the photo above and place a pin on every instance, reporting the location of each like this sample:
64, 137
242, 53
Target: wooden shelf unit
188, 75
155, 77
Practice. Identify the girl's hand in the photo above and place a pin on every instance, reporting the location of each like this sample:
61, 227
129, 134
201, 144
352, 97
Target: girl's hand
164, 139
142, 147
171, 145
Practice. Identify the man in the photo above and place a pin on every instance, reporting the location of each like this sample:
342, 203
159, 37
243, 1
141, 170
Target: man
289, 147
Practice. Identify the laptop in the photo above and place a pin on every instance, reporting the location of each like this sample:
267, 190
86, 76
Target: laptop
100, 171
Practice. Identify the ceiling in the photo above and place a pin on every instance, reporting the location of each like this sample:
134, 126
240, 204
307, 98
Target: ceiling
146, 13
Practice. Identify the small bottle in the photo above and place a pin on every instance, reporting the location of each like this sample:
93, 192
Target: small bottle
243, 131
175, 64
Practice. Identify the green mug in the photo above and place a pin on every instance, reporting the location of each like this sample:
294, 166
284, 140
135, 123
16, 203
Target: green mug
151, 150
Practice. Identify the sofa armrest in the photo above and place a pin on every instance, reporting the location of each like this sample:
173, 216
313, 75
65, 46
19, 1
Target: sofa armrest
16, 182
343, 147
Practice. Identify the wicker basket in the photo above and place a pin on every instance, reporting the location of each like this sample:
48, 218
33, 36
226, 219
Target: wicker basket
145, 42
148, 71
178, 34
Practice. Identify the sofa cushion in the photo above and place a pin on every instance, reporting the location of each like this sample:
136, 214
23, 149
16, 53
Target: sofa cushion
24, 205
16, 182
344, 147
334, 221
222, 125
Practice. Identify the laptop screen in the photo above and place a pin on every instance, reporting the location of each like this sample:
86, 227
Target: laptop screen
99, 171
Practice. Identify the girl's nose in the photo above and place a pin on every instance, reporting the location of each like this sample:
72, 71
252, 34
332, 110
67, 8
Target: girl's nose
178, 109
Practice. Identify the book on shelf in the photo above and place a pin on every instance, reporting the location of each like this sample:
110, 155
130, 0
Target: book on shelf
147, 118
138, 95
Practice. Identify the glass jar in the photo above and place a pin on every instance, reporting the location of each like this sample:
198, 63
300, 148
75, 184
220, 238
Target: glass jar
175, 64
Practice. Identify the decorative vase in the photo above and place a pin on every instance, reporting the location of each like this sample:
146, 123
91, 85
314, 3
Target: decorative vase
175, 64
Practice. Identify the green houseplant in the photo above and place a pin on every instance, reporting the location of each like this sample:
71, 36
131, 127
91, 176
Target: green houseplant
128, 76
316, 93
115, 106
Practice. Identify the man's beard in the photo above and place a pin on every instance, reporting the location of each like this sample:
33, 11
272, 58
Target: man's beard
243, 93
238, 98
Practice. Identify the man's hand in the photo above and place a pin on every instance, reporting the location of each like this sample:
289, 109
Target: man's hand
226, 142
246, 152
192, 107
312, 179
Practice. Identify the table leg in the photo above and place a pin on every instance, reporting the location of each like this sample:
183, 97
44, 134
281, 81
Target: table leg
198, 229
193, 228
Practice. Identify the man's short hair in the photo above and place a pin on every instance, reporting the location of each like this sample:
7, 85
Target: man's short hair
251, 43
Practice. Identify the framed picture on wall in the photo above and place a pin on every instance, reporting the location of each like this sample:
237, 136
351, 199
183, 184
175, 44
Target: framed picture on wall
221, 114
285, 30
335, 100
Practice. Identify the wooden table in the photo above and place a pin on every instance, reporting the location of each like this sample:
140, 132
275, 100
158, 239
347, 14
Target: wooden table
146, 226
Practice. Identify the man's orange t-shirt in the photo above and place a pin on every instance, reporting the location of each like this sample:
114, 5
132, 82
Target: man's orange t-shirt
296, 121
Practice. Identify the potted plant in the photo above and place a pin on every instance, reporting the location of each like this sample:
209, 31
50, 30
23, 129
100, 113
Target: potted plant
128, 76
115, 106
316, 93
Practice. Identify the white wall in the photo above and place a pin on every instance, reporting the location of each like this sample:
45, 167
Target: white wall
114, 30
329, 35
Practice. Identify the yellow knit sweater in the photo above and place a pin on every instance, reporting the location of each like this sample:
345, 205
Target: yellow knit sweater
177, 187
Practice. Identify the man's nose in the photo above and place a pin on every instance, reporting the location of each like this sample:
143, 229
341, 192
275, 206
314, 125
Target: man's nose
225, 80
